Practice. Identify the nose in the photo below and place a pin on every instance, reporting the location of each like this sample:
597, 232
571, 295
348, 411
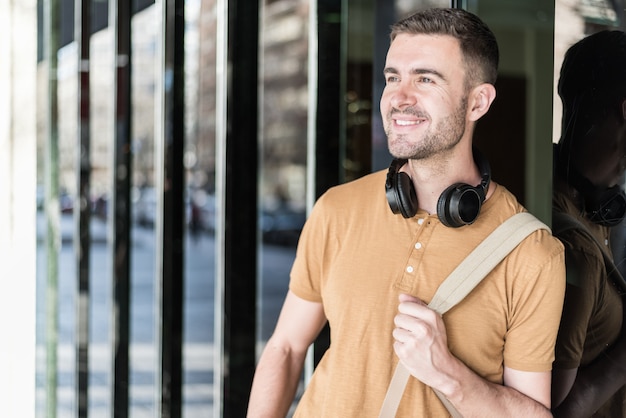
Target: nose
402, 97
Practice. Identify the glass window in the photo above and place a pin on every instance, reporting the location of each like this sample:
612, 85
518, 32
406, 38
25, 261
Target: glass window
200, 209
283, 140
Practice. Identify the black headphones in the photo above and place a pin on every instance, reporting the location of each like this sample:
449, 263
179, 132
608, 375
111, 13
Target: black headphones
606, 207
458, 205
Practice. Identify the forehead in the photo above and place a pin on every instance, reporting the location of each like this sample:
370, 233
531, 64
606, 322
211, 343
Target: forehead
418, 50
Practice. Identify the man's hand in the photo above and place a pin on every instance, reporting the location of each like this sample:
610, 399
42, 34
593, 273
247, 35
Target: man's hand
421, 342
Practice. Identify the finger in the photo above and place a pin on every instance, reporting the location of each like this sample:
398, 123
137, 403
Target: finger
401, 335
400, 349
404, 321
415, 308
414, 327
403, 297
407, 302
416, 315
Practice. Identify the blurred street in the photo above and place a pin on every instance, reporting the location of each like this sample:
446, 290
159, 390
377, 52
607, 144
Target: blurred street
199, 320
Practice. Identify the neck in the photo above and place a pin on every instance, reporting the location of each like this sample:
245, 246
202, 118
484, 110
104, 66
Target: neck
434, 175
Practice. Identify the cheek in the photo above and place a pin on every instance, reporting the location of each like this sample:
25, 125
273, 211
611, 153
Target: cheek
384, 103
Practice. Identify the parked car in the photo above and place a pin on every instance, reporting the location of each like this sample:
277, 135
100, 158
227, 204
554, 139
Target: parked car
282, 226
144, 206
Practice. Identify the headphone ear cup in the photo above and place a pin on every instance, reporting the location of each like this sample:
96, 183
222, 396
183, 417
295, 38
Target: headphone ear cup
405, 196
459, 205
606, 207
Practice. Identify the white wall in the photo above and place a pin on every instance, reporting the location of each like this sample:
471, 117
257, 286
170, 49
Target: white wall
18, 20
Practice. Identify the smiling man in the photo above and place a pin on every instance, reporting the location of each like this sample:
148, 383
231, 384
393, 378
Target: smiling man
370, 259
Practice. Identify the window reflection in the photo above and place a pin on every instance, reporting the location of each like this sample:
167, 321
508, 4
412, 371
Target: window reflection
573, 22
200, 260
589, 205
283, 148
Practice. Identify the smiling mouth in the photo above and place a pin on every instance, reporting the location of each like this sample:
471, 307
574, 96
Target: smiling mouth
402, 122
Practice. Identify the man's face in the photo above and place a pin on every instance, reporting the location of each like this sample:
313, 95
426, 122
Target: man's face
424, 103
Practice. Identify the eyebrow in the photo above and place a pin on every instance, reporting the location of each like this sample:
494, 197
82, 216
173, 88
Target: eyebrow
416, 71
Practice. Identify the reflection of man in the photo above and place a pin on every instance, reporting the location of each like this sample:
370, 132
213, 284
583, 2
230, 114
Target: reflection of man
367, 271
590, 367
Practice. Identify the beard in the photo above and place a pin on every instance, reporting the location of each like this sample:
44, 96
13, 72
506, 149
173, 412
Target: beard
445, 135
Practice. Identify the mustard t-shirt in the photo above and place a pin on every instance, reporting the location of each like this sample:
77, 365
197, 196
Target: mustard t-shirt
355, 256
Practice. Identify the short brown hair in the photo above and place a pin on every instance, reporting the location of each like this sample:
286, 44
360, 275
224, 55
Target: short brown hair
478, 44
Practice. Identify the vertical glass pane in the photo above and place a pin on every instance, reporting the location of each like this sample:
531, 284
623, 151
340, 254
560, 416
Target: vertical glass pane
67, 93
200, 259
40, 318
200, 41
357, 92
100, 273
66, 82
588, 197
66, 298
143, 350
48, 216
283, 147
283, 109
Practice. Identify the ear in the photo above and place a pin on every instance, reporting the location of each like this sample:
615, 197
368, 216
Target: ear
480, 100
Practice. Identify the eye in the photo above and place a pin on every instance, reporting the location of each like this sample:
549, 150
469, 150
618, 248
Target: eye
392, 79
426, 80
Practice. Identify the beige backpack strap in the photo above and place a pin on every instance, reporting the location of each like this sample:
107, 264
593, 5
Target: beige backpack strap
459, 283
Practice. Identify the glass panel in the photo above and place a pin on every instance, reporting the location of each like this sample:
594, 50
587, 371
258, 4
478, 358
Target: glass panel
100, 256
358, 105
143, 344
283, 148
65, 271
198, 349
199, 160
100, 273
588, 197
40, 318
48, 216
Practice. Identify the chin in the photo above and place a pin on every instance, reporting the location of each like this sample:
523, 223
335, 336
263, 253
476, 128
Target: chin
401, 152
401, 155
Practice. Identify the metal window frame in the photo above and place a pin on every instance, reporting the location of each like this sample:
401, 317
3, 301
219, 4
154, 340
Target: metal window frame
237, 240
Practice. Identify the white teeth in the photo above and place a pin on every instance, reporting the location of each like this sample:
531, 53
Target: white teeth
407, 122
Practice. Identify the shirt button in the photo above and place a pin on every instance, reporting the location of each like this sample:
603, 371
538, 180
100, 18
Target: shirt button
409, 269
420, 221
418, 245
